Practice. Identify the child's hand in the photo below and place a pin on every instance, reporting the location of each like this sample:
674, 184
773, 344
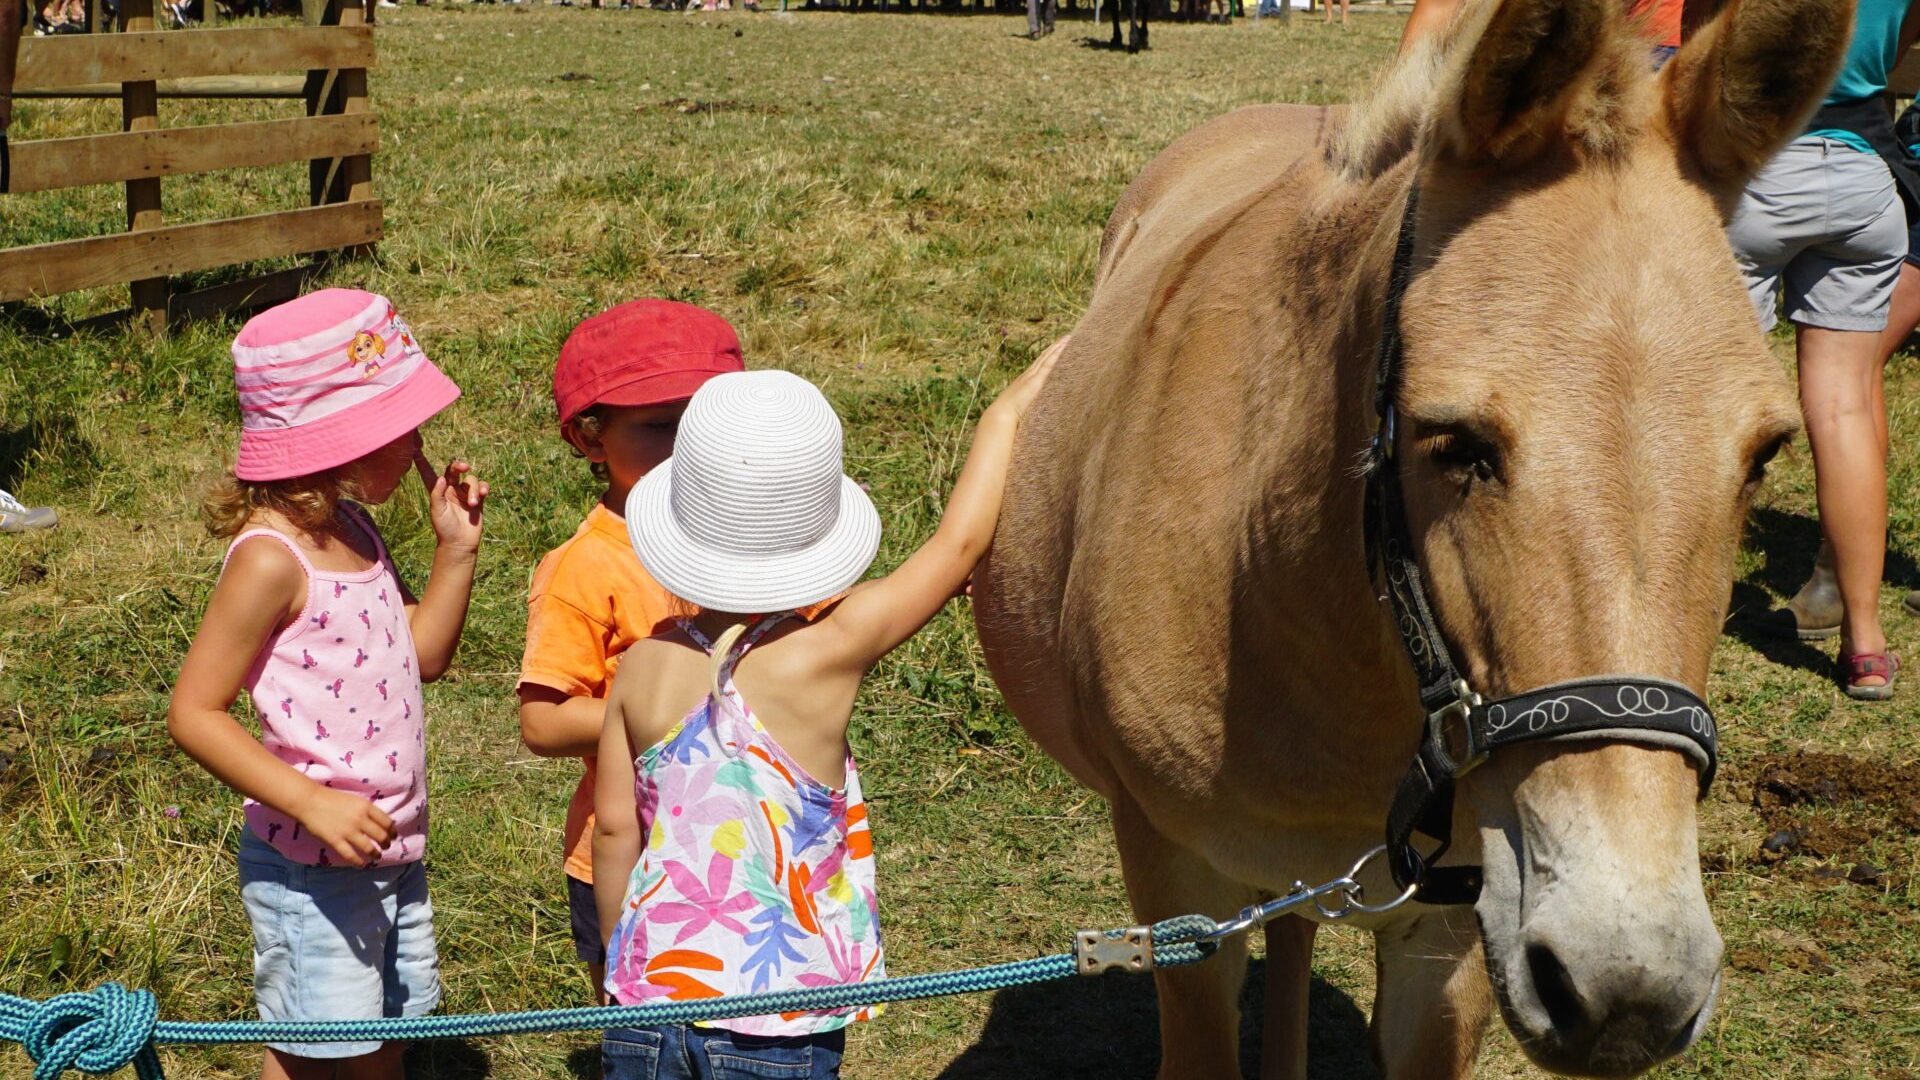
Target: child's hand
1020, 393
353, 828
454, 502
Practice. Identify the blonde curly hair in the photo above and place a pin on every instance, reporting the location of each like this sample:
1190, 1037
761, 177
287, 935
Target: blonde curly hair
309, 503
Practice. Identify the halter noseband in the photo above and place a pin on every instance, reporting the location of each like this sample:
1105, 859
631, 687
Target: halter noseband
1461, 729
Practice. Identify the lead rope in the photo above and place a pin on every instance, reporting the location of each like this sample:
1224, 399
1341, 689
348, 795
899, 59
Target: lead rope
112, 1027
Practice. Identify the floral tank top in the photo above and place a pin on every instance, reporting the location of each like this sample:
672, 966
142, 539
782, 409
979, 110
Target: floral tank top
754, 876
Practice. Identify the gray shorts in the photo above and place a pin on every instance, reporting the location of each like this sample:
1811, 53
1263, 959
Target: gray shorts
337, 943
1823, 220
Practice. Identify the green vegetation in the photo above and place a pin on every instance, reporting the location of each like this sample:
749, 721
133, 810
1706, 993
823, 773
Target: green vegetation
904, 208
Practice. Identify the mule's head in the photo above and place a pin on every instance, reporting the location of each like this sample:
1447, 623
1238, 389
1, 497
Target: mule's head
1587, 408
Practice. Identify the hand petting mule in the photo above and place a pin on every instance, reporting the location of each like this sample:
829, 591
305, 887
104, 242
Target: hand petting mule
1177, 604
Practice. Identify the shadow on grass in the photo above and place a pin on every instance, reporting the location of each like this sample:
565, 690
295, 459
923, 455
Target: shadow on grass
448, 1059
18, 444
1108, 1029
584, 1063
1788, 543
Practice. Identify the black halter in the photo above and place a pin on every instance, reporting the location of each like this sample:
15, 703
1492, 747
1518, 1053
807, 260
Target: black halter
1461, 729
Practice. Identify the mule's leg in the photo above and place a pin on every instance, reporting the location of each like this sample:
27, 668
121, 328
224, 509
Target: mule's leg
1431, 999
1199, 1003
1283, 1024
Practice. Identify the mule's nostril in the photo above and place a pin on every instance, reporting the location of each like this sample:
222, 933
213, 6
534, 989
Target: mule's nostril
1553, 984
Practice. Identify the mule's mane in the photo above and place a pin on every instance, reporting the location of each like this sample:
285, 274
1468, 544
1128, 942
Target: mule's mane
1408, 109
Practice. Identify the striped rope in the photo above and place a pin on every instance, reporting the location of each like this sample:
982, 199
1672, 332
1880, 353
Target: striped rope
112, 1027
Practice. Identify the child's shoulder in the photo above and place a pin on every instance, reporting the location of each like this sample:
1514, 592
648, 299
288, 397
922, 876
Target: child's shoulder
597, 554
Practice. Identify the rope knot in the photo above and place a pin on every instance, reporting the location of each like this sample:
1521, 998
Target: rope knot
96, 1032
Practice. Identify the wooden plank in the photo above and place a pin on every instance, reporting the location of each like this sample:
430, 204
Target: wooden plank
140, 114
48, 269
78, 59
103, 159
204, 86
245, 295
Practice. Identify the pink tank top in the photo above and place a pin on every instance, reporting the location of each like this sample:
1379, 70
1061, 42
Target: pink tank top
337, 694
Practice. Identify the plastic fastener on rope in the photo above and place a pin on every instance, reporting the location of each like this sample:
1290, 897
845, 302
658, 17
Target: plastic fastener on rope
97, 1032
1098, 951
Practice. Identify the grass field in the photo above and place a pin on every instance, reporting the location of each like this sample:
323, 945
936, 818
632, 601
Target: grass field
904, 209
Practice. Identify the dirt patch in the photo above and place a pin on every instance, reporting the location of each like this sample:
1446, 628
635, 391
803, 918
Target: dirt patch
1829, 807
690, 106
1807, 778
1778, 950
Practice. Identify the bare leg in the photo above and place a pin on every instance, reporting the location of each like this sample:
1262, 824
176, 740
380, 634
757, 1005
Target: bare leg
1902, 317
1839, 377
598, 973
1199, 1003
1283, 1027
1432, 1000
279, 1066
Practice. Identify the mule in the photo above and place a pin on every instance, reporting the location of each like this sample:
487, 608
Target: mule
1177, 605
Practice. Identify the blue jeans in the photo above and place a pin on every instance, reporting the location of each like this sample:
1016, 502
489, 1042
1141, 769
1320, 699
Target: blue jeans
681, 1052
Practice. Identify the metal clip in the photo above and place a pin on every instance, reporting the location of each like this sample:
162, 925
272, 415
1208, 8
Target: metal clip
1095, 953
1466, 751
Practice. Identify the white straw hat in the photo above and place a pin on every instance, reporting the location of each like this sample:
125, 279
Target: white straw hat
751, 514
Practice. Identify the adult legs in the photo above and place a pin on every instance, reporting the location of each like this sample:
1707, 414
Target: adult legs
1816, 608
1839, 396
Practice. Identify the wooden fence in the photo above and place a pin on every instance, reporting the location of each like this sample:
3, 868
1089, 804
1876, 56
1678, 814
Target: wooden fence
141, 65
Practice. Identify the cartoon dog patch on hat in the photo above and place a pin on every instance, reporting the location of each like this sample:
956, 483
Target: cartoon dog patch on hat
366, 349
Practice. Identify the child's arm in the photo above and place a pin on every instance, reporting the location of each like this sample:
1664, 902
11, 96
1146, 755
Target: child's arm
439, 616
554, 723
879, 615
261, 588
616, 817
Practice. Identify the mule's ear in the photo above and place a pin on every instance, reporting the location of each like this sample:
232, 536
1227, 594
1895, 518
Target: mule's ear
1747, 83
1521, 78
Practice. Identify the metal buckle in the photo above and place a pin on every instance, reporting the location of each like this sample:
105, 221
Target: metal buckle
1095, 953
1467, 752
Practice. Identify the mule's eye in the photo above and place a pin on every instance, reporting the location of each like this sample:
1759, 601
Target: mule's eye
1464, 456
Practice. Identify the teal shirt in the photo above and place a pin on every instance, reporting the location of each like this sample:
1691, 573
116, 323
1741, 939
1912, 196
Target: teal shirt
1870, 57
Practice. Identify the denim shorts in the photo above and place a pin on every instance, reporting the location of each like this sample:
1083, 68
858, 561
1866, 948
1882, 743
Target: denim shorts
1823, 223
584, 914
337, 943
680, 1052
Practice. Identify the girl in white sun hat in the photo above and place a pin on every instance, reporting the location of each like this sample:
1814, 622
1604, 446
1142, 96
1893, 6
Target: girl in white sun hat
732, 853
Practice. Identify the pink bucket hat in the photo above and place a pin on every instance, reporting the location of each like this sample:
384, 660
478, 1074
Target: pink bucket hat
328, 378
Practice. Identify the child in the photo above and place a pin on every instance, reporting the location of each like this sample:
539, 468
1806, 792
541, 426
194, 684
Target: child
310, 618
622, 381
757, 869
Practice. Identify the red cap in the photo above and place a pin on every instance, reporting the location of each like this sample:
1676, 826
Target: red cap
644, 352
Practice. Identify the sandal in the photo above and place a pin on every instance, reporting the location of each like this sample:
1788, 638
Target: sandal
1857, 666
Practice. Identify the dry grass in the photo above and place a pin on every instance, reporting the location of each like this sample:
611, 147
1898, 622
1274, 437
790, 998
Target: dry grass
904, 208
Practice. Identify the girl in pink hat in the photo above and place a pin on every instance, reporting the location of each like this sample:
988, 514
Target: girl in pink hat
311, 619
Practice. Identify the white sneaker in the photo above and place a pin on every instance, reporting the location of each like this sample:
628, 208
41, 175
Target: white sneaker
16, 517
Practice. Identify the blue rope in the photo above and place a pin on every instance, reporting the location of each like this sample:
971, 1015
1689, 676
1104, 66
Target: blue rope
113, 1027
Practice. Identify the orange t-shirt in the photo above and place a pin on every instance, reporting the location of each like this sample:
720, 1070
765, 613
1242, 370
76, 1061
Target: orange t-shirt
1659, 20
590, 600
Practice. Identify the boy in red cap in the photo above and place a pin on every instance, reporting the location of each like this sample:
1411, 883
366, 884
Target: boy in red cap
622, 381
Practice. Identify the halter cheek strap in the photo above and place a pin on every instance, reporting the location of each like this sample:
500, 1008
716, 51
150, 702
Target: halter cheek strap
1462, 729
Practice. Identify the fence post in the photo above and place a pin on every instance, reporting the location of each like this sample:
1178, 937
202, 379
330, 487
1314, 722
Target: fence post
344, 92
140, 111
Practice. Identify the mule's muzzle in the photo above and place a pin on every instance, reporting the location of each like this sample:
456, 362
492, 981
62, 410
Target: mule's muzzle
1584, 1005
